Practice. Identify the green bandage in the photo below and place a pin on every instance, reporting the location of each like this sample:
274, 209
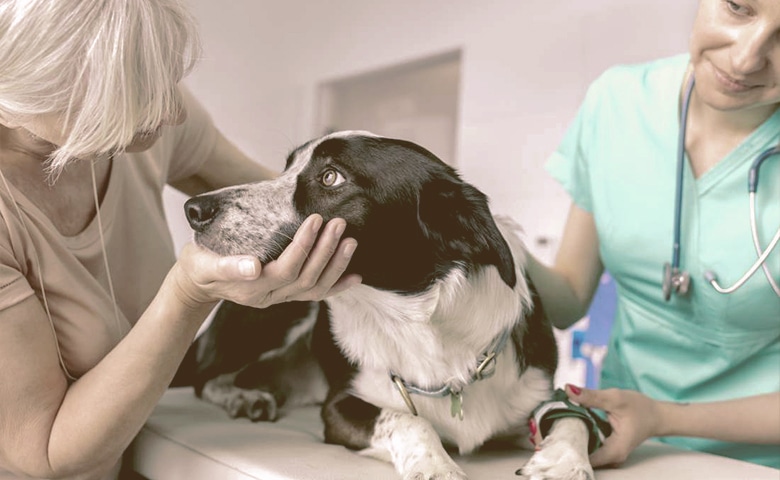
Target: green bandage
561, 407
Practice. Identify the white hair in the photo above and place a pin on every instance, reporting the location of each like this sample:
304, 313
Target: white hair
107, 69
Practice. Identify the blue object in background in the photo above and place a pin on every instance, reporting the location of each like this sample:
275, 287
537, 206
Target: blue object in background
591, 344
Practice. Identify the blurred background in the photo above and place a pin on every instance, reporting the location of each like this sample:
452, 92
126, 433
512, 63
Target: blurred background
489, 86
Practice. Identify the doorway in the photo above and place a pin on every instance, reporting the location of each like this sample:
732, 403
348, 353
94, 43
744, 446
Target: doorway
415, 101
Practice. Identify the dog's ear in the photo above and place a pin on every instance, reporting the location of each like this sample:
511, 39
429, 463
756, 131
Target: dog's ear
456, 215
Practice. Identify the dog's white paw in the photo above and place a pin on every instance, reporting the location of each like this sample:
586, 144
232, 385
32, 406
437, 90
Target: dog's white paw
557, 461
435, 469
253, 404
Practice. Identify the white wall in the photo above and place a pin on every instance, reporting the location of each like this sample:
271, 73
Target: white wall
525, 68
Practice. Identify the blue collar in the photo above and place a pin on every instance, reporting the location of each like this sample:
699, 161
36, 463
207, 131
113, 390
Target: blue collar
486, 367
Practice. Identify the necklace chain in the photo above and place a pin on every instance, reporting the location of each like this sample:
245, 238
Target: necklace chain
40, 273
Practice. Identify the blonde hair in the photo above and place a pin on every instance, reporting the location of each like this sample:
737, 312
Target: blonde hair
107, 68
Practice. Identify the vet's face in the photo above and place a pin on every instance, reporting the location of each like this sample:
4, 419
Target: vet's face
735, 52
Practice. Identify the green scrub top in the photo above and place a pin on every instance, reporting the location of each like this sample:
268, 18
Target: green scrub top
618, 161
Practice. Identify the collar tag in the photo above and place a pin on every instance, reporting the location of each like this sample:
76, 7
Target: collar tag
456, 407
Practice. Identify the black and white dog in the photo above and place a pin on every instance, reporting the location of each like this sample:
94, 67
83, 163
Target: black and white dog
438, 346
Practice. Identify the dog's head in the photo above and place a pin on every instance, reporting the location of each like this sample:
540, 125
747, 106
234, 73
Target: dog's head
413, 217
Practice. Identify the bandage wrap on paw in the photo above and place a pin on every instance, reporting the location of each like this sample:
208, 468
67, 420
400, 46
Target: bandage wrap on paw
561, 407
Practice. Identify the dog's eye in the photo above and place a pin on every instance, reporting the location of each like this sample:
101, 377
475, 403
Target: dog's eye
331, 178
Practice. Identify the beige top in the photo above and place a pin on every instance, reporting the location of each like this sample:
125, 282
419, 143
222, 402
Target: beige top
138, 244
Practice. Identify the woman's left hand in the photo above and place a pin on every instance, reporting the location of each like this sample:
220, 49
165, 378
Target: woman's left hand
634, 418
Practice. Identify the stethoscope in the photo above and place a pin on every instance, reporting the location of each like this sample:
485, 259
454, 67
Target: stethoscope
679, 281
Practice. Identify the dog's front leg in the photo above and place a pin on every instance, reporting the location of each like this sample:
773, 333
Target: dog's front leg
563, 455
413, 447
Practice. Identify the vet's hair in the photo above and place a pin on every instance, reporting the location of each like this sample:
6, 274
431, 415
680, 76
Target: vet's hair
107, 69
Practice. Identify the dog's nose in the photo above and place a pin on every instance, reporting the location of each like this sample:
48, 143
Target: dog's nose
200, 211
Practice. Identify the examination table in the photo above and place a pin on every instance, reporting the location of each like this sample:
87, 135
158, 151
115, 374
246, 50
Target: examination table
189, 439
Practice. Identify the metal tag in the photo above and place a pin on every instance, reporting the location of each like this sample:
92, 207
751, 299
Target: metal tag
456, 409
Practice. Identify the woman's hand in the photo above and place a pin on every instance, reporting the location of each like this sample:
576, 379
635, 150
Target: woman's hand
634, 418
308, 269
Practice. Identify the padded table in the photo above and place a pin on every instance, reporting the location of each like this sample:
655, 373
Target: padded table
189, 439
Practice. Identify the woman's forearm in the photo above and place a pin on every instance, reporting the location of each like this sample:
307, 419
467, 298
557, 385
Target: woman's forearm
109, 404
562, 305
101, 412
746, 420
567, 288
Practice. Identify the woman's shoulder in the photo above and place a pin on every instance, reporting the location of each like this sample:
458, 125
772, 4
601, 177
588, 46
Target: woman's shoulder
649, 80
646, 72
639, 92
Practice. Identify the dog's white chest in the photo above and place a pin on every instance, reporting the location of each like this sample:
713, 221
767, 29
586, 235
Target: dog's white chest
434, 340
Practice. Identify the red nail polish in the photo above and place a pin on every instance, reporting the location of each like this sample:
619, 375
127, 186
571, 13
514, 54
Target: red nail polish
575, 390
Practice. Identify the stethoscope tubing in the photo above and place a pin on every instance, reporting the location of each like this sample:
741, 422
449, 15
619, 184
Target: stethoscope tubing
763, 254
757, 244
710, 276
678, 193
753, 174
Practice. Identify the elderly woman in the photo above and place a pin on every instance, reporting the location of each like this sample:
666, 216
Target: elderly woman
96, 312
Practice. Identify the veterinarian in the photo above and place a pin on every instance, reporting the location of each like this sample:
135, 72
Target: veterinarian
96, 312
702, 369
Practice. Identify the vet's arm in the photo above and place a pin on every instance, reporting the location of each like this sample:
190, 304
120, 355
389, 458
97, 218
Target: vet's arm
635, 417
227, 165
745, 420
567, 288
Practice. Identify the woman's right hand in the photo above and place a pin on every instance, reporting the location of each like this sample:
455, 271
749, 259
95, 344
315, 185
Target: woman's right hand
308, 269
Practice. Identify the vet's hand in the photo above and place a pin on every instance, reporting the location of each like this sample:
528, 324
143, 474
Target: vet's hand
308, 269
634, 418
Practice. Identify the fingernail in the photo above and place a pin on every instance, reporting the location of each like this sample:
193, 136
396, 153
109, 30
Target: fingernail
340, 227
349, 249
246, 267
316, 223
574, 389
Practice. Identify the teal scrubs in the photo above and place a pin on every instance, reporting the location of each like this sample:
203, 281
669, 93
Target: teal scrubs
618, 161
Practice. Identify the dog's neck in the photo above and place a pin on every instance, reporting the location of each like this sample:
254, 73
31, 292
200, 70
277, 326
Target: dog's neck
430, 339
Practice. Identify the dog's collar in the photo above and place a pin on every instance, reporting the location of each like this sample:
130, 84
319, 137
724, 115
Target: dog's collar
486, 367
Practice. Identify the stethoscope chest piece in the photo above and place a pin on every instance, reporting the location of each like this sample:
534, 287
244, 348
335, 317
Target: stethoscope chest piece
675, 281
